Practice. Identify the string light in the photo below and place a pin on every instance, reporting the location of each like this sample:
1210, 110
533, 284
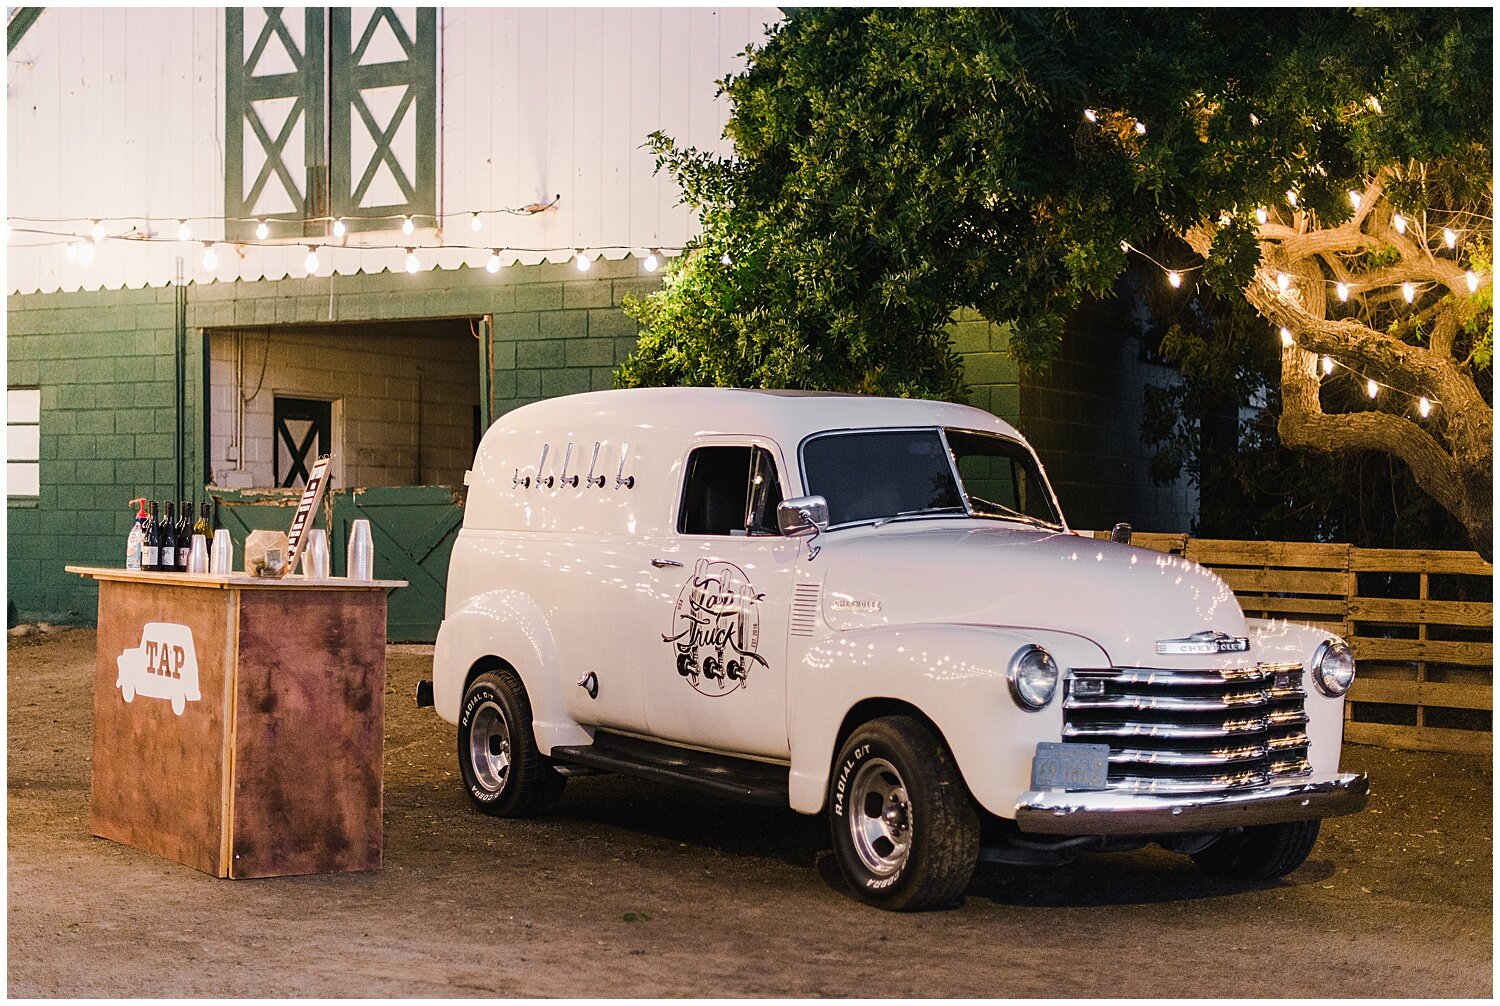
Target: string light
1261, 216
1354, 198
1283, 282
71, 251
1424, 407
1374, 104
725, 259
1089, 114
476, 224
1343, 291
1140, 127
184, 231
1398, 222
407, 227
412, 264
311, 262
1291, 196
1175, 278
1286, 337
493, 265
581, 261
339, 229
1327, 365
1371, 388
210, 260
85, 252
98, 231
1408, 291
1449, 238
653, 263
1472, 280
262, 231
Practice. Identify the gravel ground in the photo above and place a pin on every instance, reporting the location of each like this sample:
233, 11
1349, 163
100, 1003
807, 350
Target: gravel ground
632, 889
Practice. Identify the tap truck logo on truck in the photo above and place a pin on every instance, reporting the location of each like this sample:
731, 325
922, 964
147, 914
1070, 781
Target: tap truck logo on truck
164, 666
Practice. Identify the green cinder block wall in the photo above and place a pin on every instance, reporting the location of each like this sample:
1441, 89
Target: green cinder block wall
104, 363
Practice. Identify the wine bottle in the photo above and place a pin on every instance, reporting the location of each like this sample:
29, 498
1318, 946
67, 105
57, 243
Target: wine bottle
168, 531
184, 535
151, 550
204, 525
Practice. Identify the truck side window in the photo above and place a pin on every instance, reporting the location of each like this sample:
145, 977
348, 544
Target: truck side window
730, 490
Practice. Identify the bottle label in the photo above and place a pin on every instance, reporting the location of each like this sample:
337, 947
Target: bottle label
149, 557
169, 557
133, 553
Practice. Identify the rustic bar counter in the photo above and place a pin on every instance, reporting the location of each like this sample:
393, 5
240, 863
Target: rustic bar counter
238, 721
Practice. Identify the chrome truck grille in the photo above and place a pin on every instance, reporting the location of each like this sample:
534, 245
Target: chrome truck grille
1192, 731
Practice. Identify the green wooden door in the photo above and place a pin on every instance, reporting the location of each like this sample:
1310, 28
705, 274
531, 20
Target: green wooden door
413, 528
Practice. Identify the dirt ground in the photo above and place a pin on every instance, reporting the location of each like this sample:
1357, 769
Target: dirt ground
633, 889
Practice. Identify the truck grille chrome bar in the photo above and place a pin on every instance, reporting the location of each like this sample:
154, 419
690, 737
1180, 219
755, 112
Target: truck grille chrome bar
1192, 731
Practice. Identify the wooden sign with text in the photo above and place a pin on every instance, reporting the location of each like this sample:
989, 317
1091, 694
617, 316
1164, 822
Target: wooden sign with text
317, 481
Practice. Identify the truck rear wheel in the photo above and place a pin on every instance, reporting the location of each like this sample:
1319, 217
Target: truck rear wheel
1264, 852
503, 771
905, 832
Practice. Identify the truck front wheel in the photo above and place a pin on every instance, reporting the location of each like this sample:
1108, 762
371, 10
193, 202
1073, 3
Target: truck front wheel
905, 831
503, 771
1263, 852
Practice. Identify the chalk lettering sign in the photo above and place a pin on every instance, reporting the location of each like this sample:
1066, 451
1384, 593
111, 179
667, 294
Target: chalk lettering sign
311, 496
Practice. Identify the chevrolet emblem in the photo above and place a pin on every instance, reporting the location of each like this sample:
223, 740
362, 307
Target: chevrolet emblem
1207, 641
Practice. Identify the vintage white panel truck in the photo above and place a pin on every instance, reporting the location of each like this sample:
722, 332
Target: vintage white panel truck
873, 609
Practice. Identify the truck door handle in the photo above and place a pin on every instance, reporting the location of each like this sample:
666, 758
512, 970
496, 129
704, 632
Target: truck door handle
664, 563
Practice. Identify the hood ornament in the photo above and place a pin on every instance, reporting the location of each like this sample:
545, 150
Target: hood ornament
1207, 641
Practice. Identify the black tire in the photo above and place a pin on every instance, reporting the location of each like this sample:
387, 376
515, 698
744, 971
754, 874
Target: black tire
503, 772
907, 786
1264, 852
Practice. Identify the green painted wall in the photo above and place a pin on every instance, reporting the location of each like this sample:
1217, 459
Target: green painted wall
104, 363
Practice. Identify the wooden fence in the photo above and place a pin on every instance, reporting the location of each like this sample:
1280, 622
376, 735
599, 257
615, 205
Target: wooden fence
1420, 624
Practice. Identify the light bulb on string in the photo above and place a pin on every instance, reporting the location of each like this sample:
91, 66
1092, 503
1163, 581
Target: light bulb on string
407, 227
1175, 278
1261, 215
1291, 196
1327, 366
1089, 114
1140, 127
1408, 291
184, 231
581, 261
262, 230
493, 265
1283, 282
725, 259
1472, 280
412, 264
1354, 199
653, 263
71, 251
98, 232
210, 259
1371, 388
1398, 222
1424, 407
311, 262
1449, 237
85, 252
1343, 290
476, 224
1286, 337
339, 229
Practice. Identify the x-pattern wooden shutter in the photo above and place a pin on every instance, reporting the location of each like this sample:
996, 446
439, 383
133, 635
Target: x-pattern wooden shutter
275, 160
383, 115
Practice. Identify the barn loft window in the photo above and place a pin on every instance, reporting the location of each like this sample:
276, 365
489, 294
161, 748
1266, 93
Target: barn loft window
329, 113
23, 413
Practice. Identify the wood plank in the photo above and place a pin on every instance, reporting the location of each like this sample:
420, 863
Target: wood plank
223, 581
1419, 738
1393, 560
1432, 651
1282, 581
1300, 605
1474, 614
1308, 555
1422, 693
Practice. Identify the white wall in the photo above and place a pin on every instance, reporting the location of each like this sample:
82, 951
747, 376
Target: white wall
119, 113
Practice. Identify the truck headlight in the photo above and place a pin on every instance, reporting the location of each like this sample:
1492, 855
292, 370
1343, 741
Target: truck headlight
1033, 677
1333, 667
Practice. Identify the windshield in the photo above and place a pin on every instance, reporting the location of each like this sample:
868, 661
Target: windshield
873, 475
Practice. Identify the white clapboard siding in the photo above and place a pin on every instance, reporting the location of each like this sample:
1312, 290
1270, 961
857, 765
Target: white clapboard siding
119, 112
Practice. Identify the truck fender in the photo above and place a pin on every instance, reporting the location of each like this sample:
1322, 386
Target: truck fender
504, 624
954, 676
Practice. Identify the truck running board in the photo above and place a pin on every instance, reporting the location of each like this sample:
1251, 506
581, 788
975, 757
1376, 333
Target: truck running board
734, 778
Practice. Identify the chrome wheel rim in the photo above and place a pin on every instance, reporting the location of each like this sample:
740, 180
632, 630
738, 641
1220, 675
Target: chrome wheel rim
880, 818
489, 746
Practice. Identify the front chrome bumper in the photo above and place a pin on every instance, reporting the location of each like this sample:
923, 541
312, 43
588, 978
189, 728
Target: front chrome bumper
1102, 812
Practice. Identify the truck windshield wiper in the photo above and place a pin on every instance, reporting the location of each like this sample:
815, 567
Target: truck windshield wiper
920, 513
1007, 512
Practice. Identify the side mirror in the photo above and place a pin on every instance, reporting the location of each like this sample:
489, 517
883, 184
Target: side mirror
802, 517
1121, 533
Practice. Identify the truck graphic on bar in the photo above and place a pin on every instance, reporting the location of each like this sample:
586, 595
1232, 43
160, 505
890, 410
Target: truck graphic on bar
164, 666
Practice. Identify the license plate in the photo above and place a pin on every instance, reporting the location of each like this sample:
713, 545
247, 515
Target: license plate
1070, 767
